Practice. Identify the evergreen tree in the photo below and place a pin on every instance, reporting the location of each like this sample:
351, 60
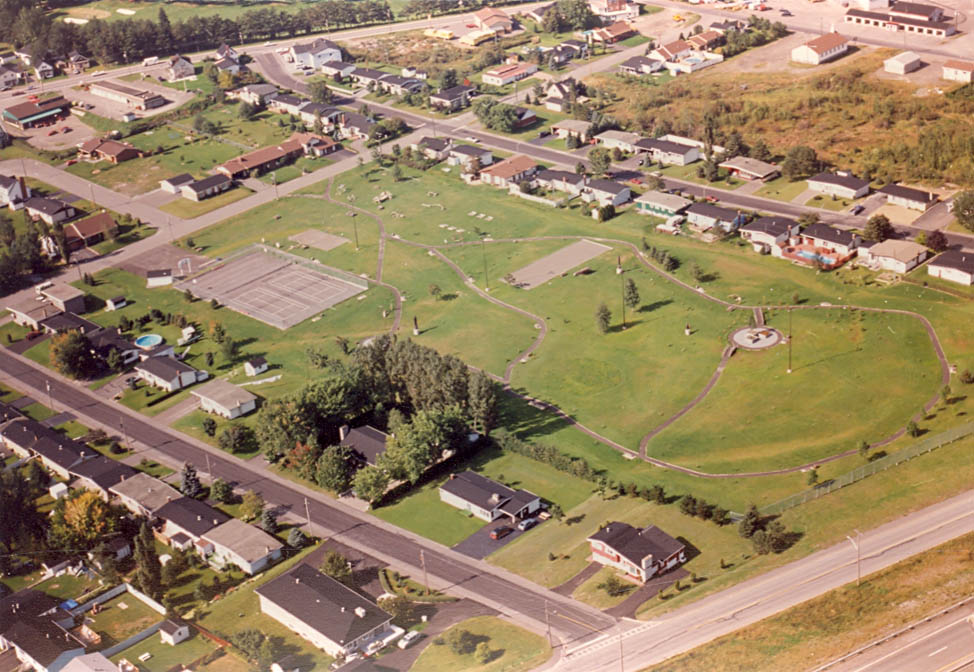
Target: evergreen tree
750, 523
148, 573
631, 294
268, 521
190, 484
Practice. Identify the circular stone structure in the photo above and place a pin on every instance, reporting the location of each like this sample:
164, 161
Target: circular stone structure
148, 341
756, 338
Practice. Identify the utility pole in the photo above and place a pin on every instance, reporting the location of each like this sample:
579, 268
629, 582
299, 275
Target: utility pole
858, 546
789, 340
307, 513
50, 398
426, 579
355, 227
547, 622
622, 277
622, 660
208, 469
121, 426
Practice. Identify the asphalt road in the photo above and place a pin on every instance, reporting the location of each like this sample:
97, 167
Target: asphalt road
494, 587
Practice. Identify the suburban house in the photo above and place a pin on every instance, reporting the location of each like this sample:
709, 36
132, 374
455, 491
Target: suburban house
622, 140
255, 366
355, 126
65, 297
105, 149
509, 171
143, 495
8, 77
454, 98
172, 185
672, 51
706, 215
640, 65
508, 73
225, 51
107, 339
64, 322
90, 662
135, 98
312, 112
37, 629
958, 71
824, 237
399, 85
261, 160
728, 25
89, 231
640, 553
820, 49
44, 70
571, 127
903, 63
179, 67
915, 199
525, 117
75, 63
953, 265
612, 33
747, 168
225, 399
198, 190
228, 65
661, 204
186, 520
841, 185
51, 210
908, 17
538, 13
491, 18
705, 40
237, 543
668, 152
172, 631
29, 438
466, 156
435, 149
899, 256
611, 11
100, 474
487, 499
167, 373
605, 192
29, 312
769, 234
14, 192
366, 76
322, 610
337, 69
365, 443
316, 53
30, 114
255, 94
560, 180
285, 103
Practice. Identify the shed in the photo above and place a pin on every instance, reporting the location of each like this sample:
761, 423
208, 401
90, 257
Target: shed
116, 303
902, 63
172, 631
159, 278
255, 366
58, 490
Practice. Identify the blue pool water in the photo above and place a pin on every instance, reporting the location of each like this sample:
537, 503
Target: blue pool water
811, 256
148, 341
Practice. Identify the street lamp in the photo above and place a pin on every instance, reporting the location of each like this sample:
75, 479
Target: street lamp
858, 546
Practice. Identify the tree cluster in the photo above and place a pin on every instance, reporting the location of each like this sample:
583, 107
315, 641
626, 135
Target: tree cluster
495, 115
700, 508
662, 257
762, 31
20, 253
256, 646
767, 535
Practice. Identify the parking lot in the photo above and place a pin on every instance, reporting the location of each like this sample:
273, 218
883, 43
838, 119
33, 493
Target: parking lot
111, 109
62, 135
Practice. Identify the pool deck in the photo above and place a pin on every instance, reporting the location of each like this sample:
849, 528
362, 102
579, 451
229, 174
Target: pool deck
795, 253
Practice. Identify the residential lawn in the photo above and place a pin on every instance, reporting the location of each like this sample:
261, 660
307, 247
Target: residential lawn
37, 411
228, 662
192, 424
638, 39
590, 593
689, 173
8, 395
127, 234
528, 555
72, 429
67, 587
545, 116
515, 649
306, 164
120, 618
19, 149
240, 610
180, 153
422, 512
150, 400
844, 619
266, 128
201, 84
558, 143
782, 189
828, 203
164, 657
517, 471
152, 468
355, 319
187, 209
11, 332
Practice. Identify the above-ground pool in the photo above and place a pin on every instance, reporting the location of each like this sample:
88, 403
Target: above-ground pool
148, 341
811, 256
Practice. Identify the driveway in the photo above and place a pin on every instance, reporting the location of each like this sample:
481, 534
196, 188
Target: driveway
627, 608
479, 544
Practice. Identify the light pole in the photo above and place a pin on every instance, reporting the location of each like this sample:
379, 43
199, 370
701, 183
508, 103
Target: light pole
789, 340
622, 277
622, 660
50, 398
858, 546
483, 248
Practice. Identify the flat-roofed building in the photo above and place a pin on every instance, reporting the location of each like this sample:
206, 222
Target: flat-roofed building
134, 98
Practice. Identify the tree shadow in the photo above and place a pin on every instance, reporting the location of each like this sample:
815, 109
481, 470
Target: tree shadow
878, 455
618, 328
449, 297
690, 550
655, 305
574, 520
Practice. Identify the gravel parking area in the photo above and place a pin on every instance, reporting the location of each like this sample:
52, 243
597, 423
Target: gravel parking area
115, 110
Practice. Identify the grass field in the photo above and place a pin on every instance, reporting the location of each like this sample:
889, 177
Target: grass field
121, 617
590, 593
66, 586
187, 209
782, 189
163, 656
297, 169
829, 203
422, 512
689, 173
515, 649
176, 11
828, 626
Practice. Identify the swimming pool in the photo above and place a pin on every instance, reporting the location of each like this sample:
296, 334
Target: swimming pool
813, 256
147, 341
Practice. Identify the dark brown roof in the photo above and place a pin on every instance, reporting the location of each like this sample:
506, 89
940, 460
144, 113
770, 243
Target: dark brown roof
635, 545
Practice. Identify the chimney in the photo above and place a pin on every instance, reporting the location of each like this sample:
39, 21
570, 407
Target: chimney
199, 517
452, 476
297, 579
360, 612
343, 610
342, 432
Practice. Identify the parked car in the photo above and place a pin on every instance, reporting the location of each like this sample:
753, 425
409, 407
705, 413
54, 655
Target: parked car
785, 12
711, 199
527, 524
544, 133
409, 639
859, 208
501, 532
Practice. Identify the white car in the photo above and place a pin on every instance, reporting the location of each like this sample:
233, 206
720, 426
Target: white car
409, 639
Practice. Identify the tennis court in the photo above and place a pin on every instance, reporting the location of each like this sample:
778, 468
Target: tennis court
274, 287
555, 264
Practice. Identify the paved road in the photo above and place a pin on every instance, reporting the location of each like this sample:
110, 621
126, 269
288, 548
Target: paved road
489, 585
942, 645
753, 600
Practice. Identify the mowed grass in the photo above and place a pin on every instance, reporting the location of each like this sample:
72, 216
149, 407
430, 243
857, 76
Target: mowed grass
856, 376
828, 626
782, 189
260, 130
453, 322
178, 155
187, 209
590, 593
422, 512
515, 649
162, 656
121, 617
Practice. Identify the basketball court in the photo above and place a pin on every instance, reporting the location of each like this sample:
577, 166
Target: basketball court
557, 263
274, 287
180, 261
319, 239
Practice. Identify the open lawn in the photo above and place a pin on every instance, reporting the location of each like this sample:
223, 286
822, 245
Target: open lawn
514, 649
829, 203
192, 424
187, 209
590, 593
306, 164
120, 618
422, 512
781, 189
266, 128
66, 586
162, 656
127, 234
153, 468
689, 173
841, 620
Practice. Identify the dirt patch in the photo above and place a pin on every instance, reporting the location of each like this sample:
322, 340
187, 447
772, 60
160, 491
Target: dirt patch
556, 263
162, 257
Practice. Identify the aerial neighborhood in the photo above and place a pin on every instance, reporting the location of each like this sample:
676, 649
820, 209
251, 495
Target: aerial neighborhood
578, 335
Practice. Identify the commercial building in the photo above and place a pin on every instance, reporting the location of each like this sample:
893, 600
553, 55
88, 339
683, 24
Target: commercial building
134, 98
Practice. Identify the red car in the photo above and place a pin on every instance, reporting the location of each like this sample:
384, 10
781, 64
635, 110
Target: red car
500, 532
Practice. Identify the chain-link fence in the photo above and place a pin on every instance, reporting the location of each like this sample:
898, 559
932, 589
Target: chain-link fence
870, 468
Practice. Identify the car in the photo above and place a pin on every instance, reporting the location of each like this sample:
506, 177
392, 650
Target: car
66, 129
53, 131
859, 208
470, 138
544, 133
501, 532
635, 180
527, 524
409, 639
640, 162
710, 199
785, 12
